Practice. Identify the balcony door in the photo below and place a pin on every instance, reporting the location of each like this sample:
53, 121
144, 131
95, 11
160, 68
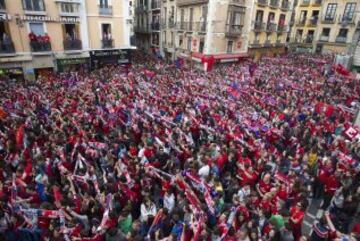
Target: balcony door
330, 12
349, 12
106, 31
104, 3
71, 31
259, 16
34, 5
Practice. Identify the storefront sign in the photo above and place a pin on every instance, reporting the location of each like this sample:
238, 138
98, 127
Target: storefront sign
113, 56
72, 61
4, 17
32, 18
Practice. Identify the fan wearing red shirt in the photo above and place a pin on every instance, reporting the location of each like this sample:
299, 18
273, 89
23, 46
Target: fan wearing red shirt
297, 214
331, 185
264, 186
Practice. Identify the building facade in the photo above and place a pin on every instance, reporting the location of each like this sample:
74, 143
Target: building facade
41, 36
270, 27
307, 18
337, 27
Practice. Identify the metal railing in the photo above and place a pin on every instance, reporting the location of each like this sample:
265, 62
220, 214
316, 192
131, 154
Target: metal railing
341, 39
200, 26
190, 2
282, 28
142, 29
186, 26
155, 4
328, 19
346, 19
262, 2
105, 10
324, 38
171, 22
7, 47
141, 8
107, 43
73, 44
271, 27
155, 26
259, 26
301, 22
267, 43
38, 46
305, 3
274, 3
255, 44
233, 29
317, 2
313, 21
238, 2
285, 5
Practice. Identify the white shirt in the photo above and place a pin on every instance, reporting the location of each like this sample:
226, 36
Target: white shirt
243, 193
169, 202
204, 171
147, 211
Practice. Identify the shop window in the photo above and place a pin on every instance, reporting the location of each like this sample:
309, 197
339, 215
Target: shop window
34, 5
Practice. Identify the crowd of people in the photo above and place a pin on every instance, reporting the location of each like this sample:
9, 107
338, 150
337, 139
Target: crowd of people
164, 152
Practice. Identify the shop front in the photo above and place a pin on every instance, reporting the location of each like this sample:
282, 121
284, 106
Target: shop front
77, 62
14, 67
101, 58
43, 66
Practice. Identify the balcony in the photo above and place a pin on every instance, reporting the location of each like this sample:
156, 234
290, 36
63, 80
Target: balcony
40, 46
324, 38
309, 39
155, 5
171, 22
345, 20
282, 28
328, 19
301, 22
141, 8
142, 29
340, 39
262, 2
271, 27
72, 44
185, 26
279, 43
238, 2
155, 26
255, 44
313, 22
317, 3
182, 3
267, 44
200, 27
2, 6
305, 3
105, 10
285, 6
107, 43
259, 26
274, 3
233, 30
7, 47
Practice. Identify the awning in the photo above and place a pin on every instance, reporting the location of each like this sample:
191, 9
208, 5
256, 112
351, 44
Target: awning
230, 56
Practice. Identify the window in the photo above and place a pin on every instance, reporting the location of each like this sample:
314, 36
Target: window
182, 15
172, 38
349, 11
343, 32
104, 3
180, 41
303, 16
230, 45
326, 32
282, 20
106, 31
259, 16
34, 5
237, 19
271, 17
189, 41
201, 46
69, 8
71, 31
37, 28
330, 11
